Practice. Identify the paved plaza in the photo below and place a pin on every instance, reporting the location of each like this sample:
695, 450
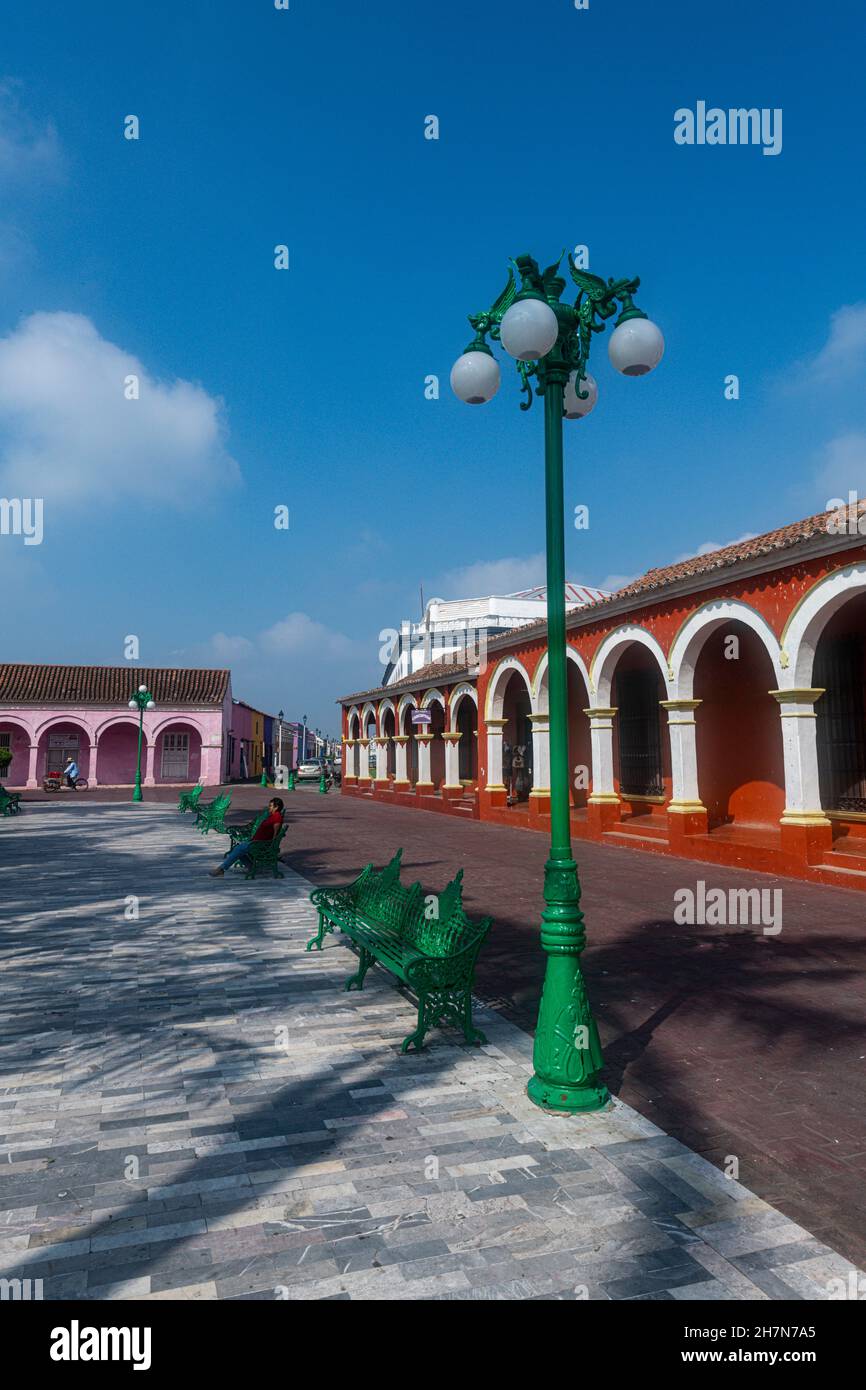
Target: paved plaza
194, 1108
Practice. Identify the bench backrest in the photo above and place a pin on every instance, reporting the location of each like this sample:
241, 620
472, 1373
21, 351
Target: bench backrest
372, 881
394, 905
441, 927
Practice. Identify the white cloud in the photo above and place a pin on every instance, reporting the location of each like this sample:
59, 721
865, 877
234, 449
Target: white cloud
842, 467
612, 582
844, 353
707, 547
507, 576
68, 433
300, 635
29, 149
228, 649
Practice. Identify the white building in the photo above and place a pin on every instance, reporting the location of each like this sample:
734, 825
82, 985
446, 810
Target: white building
460, 628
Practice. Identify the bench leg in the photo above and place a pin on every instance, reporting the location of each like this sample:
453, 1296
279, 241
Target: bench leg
470, 1032
324, 928
416, 1039
365, 960
444, 1006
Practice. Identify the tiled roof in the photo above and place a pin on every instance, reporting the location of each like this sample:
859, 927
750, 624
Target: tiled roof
771, 543
751, 549
110, 685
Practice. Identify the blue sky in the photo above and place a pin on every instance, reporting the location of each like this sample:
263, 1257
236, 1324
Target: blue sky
305, 387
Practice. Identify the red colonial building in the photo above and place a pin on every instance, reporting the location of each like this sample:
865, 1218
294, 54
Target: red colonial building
717, 711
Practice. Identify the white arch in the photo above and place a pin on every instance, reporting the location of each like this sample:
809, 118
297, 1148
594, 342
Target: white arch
810, 617
540, 696
354, 713
431, 695
604, 662
384, 706
699, 627
365, 723
458, 695
498, 682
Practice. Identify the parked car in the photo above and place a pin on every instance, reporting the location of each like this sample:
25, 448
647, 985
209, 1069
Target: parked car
309, 771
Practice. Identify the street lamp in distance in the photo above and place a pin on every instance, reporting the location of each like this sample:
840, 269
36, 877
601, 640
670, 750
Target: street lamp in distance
141, 700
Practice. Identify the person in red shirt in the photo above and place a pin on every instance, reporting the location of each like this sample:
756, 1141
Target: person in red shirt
266, 831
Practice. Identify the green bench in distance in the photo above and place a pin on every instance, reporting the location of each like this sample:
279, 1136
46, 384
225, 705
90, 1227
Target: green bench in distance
211, 816
188, 801
427, 942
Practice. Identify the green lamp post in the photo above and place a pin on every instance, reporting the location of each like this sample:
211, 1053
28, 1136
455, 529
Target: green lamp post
551, 342
141, 701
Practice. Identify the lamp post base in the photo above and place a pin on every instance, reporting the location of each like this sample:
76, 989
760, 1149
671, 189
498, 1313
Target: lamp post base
567, 1054
557, 1099
136, 795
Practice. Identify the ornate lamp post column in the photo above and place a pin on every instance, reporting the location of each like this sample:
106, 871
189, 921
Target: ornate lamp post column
551, 342
141, 701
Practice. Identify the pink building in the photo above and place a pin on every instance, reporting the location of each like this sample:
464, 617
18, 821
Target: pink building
48, 712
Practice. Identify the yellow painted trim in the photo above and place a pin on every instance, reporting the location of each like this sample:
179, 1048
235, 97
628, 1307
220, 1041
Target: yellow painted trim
495, 787
602, 713
686, 808
804, 818
800, 694
603, 798
654, 800
802, 599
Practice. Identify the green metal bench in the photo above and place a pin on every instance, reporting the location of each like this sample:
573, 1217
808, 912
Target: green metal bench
211, 816
10, 802
188, 801
426, 942
262, 854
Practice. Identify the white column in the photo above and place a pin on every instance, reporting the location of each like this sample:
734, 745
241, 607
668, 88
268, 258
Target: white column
364, 760
452, 762
682, 727
494, 781
423, 741
381, 760
31, 770
800, 747
601, 737
149, 752
401, 768
540, 754
91, 766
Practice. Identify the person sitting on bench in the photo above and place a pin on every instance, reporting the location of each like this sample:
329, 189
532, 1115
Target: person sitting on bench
266, 831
